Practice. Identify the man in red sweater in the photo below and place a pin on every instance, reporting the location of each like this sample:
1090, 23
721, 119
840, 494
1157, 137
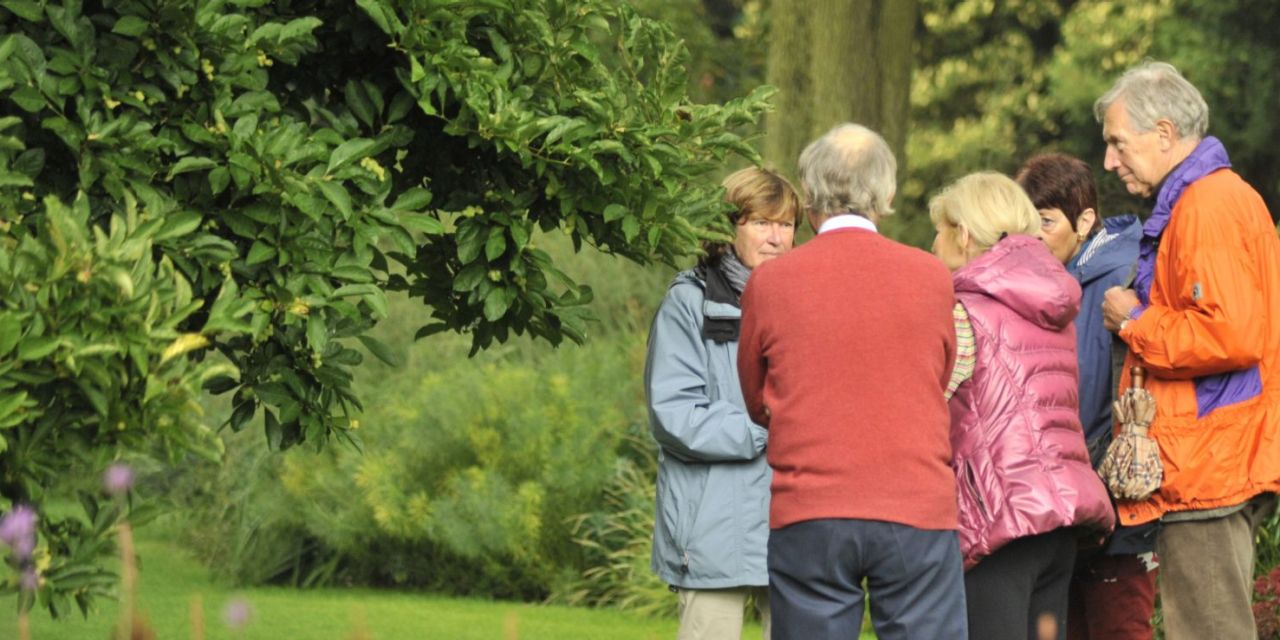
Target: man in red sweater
846, 347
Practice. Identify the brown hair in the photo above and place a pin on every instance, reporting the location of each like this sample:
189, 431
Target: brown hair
755, 192
1060, 181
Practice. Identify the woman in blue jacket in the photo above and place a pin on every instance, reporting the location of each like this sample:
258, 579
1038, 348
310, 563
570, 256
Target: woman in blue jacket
711, 528
1113, 589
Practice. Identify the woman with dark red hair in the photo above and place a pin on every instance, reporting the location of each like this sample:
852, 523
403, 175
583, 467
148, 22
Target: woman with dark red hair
1112, 592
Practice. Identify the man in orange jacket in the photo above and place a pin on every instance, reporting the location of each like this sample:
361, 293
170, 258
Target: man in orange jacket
1201, 318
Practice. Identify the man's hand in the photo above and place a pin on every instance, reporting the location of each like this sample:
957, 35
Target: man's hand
1117, 304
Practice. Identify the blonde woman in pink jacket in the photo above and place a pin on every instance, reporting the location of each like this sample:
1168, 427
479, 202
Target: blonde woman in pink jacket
1027, 493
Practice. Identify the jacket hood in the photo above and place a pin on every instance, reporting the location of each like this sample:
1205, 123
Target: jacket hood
1021, 274
1119, 251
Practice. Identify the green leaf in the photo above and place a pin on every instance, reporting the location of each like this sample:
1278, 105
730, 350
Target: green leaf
415, 199
260, 252
131, 26
359, 103
37, 347
469, 277
353, 290
10, 332
274, 433
422, 223
470, 241
219, 385
496, 245
630, 228
382, 351
349, 151
29, 98
219, 178
338, 196
352, 273
242, 413
613, 212
25, 9
317, 332
11, 179
190, 163
496, 304
520, 235
382, 15
9, 402
179, 224
272, 393
377, 301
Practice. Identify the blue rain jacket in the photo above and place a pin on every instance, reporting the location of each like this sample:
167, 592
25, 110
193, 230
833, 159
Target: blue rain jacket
711, 527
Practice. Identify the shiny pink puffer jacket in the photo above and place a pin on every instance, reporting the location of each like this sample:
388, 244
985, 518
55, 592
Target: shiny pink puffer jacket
1019, 454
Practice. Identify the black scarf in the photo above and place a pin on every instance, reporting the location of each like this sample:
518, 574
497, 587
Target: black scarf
725, 279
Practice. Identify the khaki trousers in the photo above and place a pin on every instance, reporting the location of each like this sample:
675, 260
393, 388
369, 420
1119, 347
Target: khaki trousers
716, 614
1206, 574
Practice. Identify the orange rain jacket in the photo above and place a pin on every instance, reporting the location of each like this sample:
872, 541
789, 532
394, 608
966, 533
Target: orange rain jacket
1209, 336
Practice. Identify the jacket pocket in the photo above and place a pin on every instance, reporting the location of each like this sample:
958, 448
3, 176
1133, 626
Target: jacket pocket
685, 486
970, 480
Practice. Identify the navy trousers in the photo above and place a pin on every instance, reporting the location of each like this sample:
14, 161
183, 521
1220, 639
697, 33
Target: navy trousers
914, 578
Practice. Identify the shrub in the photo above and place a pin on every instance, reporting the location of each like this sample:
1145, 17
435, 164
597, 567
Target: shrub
618, 541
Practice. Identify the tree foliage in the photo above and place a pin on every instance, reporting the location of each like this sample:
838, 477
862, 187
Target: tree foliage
998, 81
218, 195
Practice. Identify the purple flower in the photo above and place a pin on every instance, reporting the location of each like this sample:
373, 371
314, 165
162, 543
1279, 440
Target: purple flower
237, 613
18, 530
30, 582
118, 479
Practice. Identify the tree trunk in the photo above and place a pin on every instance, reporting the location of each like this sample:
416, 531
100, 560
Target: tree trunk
788, 128
838, 61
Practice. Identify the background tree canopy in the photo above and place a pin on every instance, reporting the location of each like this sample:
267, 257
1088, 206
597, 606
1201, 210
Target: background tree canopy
218, 195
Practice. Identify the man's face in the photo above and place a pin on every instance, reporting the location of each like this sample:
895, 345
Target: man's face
758, 239
1138, 158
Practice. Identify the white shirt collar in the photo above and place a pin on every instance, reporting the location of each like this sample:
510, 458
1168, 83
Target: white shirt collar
847, 221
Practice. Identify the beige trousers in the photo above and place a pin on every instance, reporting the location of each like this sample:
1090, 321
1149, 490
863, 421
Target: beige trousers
1206, 575
716, 614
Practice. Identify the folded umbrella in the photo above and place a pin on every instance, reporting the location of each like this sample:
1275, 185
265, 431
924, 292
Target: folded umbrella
1131, 468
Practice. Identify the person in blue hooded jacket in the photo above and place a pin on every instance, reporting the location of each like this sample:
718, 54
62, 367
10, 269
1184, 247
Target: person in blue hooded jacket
1112, 592
711, 527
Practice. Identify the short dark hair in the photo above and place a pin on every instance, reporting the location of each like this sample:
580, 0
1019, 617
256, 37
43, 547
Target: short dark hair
1060, 181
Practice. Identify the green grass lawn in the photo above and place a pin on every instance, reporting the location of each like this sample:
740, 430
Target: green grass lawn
170, 581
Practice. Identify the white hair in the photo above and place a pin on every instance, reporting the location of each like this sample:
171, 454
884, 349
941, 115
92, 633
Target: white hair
1153, 91
850, 169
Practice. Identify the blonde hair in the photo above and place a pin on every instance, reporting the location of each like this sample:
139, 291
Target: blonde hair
756, 192
989, 205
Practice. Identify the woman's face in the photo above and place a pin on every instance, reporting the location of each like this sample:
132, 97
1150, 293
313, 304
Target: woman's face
758, 239
1057, 232
1063, 239
947, 246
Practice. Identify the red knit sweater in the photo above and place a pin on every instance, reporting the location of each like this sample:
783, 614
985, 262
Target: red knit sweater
849, 341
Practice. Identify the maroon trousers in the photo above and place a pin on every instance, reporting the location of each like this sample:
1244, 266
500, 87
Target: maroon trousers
1111, 598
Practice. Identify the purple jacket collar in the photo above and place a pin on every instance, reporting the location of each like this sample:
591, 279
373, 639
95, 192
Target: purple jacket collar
1207, 157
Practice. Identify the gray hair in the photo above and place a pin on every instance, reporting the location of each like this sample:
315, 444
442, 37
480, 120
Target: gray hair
1155, 90
850, 169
